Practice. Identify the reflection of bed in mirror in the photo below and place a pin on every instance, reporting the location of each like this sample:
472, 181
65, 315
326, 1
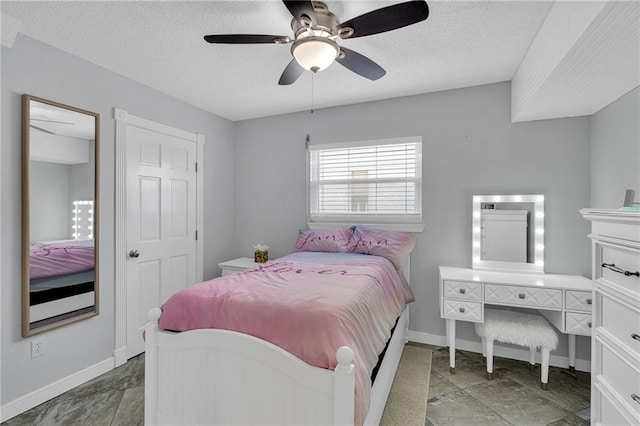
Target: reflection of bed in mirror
62, 277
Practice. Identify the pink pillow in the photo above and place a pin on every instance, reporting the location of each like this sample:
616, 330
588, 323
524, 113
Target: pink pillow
334, 240
392, 245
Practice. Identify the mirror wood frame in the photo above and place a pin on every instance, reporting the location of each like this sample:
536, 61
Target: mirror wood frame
26, 215
537, 266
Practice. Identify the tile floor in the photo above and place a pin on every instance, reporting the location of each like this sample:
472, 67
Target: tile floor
115, 398
513, 397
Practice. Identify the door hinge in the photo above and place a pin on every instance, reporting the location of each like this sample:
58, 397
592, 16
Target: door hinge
196, 235
196, 167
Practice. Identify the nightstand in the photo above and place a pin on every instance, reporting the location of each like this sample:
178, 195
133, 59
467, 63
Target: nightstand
237, 265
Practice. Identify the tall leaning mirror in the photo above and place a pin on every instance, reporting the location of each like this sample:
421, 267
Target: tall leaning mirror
59, 214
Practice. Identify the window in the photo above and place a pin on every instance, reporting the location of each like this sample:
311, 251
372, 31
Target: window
366, 181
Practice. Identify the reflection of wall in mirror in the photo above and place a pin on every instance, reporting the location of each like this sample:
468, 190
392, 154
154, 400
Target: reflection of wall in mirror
49, 201
504, 235
58, 177
81, 183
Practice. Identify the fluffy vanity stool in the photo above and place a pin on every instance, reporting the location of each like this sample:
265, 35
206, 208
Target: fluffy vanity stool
520, 329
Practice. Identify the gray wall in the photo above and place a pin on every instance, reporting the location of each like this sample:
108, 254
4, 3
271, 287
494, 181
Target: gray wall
470, 147
49, 200
615, 151
81, 177
37, 69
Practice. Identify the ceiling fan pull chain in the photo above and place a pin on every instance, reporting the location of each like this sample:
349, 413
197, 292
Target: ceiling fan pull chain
313, 78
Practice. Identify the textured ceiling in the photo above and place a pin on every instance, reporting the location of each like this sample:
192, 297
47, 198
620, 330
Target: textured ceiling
160, 44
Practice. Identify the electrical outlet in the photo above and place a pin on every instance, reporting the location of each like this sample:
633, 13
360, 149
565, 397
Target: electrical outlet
37, 348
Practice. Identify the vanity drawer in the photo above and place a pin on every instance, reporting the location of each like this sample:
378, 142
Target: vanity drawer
619, 375
621, 321
467, 311
463, 290
525, 296
624, 259
578, 300
578, 323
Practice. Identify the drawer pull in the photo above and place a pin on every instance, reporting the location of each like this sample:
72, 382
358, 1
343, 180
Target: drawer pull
614, 268
521, 295
635, 336
589, 324
589, 301
463, 291
461, 310
635, 397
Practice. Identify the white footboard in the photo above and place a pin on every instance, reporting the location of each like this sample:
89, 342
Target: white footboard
222, 377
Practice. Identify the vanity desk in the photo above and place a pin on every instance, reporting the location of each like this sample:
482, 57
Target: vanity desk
502, 226
565, 300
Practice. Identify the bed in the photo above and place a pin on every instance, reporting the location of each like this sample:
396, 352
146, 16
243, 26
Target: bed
294, 341
62, 277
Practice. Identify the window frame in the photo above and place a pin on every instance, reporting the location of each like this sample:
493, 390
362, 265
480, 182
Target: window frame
406, 222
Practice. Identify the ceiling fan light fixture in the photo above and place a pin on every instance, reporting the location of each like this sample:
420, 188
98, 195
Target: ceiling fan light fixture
315, 53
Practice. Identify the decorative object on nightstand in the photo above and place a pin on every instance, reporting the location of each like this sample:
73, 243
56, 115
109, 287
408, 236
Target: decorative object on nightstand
260, 253
237, 265
615, 344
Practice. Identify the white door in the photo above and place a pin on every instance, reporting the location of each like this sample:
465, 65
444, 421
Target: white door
161, 224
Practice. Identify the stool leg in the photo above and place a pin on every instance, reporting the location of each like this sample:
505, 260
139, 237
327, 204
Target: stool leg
489, 359
544, 381
484, 349
532, 358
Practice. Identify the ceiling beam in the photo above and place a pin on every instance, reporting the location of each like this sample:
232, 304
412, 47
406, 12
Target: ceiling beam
585, 56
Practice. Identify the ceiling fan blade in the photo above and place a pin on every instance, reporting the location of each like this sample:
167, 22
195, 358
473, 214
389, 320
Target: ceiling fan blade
291, 73
301, 8
387, 19
360, 64
246, 39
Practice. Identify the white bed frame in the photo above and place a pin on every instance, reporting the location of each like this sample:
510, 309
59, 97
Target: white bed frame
220, 377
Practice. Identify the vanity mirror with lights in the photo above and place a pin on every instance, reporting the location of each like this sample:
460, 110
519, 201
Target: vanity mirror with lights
59, 214
508, 232
507, 246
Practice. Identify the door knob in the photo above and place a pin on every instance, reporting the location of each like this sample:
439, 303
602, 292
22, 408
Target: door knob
134, 253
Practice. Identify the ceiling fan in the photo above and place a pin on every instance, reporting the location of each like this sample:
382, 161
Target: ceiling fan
316, 31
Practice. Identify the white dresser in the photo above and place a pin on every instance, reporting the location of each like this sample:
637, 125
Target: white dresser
565, 300
615, 346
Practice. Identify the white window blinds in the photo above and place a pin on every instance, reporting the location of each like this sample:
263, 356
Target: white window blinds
366, 181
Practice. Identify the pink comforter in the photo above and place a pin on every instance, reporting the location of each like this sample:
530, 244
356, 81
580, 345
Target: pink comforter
307, 303
60, 258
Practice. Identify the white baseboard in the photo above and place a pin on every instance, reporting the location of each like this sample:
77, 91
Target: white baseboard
120, 356
37, 397
499, 350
